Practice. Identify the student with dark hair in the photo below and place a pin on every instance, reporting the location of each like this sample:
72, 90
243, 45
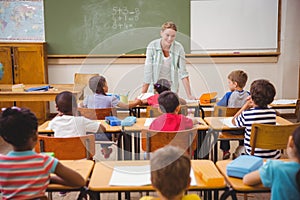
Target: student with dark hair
160, 86
24, 173
283, 177
256, 110
100, 99
170, 120
170, 174
68, 124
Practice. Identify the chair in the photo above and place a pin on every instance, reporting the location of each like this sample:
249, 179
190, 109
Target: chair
153, 140
152, 111
266, 136
97, 113
70, 148
83, 80
221, 111
295, 117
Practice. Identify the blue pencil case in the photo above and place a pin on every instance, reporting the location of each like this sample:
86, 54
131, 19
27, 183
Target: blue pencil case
128, 121
243, 165
113, 121
41, 88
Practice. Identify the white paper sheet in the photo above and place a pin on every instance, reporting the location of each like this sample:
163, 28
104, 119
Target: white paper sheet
148, 121
136, 176
144, 96
131, 175
284, 101
228, 122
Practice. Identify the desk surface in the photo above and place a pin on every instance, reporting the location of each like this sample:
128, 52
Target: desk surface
138, 126
216, 123
6, 93
102, 172
237, 183
83, 167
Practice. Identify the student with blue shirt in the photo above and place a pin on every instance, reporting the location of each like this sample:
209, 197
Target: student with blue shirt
283, 177
235, 98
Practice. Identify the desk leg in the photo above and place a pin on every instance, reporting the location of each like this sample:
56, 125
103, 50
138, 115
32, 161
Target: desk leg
127, 140
94, 195
137, 145
202, 151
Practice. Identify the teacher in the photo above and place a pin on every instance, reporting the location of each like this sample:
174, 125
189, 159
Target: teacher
165, 58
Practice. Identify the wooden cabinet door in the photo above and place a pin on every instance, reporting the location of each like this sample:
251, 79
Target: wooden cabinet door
29, 64
6, 60
29, 68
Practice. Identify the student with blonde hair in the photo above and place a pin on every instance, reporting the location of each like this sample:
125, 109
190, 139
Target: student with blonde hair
165, 58
170, 174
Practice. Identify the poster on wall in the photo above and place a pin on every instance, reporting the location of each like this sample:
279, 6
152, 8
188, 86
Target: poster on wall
22, 21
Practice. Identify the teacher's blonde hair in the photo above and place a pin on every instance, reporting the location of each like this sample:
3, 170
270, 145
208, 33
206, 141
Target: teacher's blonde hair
168, 25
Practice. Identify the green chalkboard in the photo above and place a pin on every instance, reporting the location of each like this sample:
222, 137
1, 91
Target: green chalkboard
82, 27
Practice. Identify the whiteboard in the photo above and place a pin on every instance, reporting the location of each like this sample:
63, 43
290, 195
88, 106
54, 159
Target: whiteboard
234, 26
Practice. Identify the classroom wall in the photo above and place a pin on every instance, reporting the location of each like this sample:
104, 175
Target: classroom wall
207, 77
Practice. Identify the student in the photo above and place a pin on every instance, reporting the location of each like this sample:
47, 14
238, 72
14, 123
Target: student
283, 177
256, 110
100, 99
68, 124
235, 98
160, 86
170, 120
25, 173
170, 174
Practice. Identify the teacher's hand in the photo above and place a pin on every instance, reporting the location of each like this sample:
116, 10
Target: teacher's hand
191, 97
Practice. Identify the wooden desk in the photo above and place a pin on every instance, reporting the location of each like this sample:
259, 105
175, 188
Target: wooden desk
102, 172
83, 167
135, 130
237, 184
216, 125
6, 93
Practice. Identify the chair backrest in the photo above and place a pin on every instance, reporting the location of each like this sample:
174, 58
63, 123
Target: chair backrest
83, 80
97, 113
153, 111
69, 148
221, 111
153, 140
266, 136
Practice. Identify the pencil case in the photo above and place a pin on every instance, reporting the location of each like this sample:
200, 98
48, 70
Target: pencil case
113, 121
128, 121
243, 165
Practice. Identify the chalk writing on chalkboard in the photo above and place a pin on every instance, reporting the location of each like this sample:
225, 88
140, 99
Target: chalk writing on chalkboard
125, 19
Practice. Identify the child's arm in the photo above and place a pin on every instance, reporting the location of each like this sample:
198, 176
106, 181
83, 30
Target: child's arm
130, 105
246, 106
67, 176
252, 178
182, 101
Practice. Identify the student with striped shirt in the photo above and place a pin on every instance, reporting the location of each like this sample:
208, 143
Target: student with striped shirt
24, 173
256, 110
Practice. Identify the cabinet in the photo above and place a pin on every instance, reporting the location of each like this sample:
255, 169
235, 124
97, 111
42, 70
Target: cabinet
25, 63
